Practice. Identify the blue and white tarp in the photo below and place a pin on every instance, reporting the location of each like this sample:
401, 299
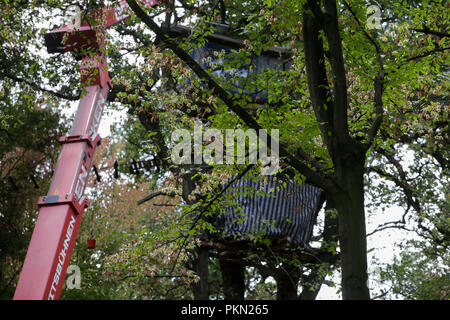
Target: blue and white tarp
271, 208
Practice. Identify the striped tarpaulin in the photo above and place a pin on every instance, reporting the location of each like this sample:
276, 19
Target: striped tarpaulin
273, 208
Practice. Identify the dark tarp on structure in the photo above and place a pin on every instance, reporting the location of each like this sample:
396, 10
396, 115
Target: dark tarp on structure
242, 77
272, 207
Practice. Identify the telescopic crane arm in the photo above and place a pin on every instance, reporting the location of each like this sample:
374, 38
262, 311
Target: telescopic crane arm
60, 212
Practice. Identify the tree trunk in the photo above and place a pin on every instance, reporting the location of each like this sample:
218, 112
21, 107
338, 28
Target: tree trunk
233, 280
200, 266
313, 282
287, 283
347, 155
352, 229
200, 261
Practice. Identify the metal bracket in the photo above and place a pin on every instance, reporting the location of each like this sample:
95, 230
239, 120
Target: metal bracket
70, 199
81, 138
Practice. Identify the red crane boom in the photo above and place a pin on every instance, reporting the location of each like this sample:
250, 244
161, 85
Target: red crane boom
60, 212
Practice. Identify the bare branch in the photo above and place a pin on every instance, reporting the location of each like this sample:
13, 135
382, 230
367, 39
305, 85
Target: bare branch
154, 195
39, 88
426, 30
428, 53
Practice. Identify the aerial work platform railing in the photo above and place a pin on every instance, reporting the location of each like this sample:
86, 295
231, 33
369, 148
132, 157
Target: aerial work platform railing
60, 212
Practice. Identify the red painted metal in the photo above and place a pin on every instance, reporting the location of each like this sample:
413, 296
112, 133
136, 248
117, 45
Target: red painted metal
86, 37
91, 243
60, 212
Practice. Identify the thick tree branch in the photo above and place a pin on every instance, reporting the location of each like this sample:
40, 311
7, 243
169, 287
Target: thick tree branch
314, 6
154, 195
340, 104
428, 53
378, 102
317, 79
439, 34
